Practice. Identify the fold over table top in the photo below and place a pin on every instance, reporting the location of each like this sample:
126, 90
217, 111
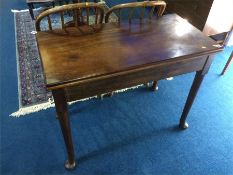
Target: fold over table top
74, 56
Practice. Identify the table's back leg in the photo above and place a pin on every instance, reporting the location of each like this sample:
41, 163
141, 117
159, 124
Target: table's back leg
62, 113
193, 92
155, 85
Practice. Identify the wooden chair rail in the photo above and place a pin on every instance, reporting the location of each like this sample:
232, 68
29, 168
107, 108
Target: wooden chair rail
76, 9
142, 5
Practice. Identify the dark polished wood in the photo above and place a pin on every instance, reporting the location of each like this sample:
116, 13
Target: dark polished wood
155, 85
210, 16
196, 11
111, 58
193, 92
130, 7
81, 61
59, 94
62, 114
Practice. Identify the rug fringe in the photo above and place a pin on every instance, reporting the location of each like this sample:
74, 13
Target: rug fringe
16, 11
32, 109
25, 10
36, 108
130, 88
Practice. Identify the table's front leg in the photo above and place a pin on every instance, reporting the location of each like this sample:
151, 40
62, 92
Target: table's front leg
62, 113
193, 92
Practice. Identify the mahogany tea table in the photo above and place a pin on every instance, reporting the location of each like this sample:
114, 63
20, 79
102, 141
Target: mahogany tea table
114, 56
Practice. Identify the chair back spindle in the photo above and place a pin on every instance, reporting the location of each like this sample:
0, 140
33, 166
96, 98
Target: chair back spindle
62, 20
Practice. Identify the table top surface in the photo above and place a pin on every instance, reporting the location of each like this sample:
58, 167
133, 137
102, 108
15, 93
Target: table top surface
74, 56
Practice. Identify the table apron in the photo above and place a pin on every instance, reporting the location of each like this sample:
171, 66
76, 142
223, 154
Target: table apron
96, 86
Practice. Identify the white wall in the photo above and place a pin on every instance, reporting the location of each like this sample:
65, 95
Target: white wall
220, 18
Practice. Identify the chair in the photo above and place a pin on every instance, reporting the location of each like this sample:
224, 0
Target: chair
231, 56
77, 11
222, 39
142, 8
227, 64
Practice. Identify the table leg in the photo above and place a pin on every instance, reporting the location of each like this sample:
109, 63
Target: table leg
230, 59
193, 91
62, 113
31, 7
192, 94
155, 85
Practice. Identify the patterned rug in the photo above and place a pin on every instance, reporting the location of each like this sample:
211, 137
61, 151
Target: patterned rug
33, 95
